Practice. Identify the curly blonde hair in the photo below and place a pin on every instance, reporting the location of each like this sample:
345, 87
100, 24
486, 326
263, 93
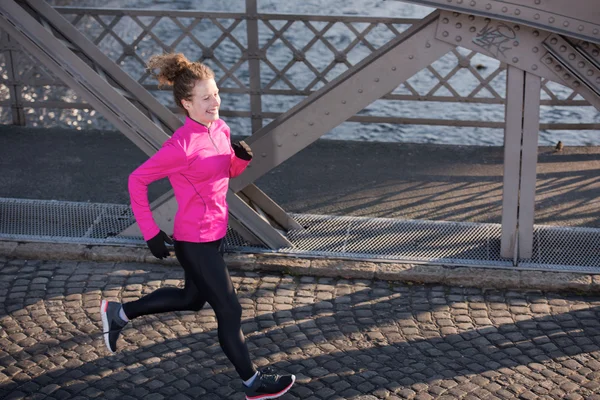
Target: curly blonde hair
176, 70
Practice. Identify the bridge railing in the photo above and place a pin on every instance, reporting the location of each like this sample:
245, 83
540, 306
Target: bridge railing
293, 56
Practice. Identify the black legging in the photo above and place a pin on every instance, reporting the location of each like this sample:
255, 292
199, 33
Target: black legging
206, 280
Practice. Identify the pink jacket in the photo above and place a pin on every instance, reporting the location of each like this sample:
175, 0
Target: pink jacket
198, 162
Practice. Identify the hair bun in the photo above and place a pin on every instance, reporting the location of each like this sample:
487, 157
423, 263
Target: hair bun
169, 66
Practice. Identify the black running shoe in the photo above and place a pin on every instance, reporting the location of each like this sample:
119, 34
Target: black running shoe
269, 385
111, 323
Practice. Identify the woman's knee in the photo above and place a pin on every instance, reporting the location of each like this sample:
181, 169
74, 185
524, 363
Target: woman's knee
230, 311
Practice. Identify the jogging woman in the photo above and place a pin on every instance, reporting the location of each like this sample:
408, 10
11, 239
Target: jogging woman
199, 160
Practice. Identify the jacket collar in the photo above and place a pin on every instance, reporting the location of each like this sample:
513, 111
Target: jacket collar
193, 123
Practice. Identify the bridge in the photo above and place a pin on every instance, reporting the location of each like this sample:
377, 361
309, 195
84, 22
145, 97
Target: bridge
534, 41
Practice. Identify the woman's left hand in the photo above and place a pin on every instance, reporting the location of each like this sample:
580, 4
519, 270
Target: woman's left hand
242, 150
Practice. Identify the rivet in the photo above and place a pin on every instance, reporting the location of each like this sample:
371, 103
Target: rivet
595, 53
551, 20
343, 101
571, 56
360, 90
376, 79
576, 84
536, 16
580, 28
537, 1
553, 41
279, 145
311, 123
536, 33
459, 1
566, 23
590, 72
534, 67
428, 45
472, 29
411, 57
455, 14
458, 38
557, 68
548, 60
566, 77
517, 11
393, 68
295, 134
458, 25
595, 31
445, 34
488, 6
517, 28
585, 45
472, 17
264, 154
487, 20
535, 49
473, 4
516, 43
504, 9
581, 64
563, 48
445, 20
326, 112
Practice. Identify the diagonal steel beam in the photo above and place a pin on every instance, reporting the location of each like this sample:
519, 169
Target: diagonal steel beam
59, 59
137, 91
342, 98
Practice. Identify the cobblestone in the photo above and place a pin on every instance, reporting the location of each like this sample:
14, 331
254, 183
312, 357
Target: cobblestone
343, 338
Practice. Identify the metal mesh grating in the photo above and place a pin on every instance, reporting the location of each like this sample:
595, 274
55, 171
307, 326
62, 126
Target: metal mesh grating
401, 240
375, 239
555, 247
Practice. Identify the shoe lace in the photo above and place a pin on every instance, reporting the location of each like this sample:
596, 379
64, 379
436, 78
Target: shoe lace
269, 375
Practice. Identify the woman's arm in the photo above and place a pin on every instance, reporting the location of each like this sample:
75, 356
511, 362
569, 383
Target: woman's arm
168, 160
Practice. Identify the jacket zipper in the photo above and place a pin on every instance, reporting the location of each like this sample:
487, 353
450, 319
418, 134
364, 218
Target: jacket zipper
212, 141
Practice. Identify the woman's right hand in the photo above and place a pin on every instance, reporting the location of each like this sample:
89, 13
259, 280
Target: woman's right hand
157, 245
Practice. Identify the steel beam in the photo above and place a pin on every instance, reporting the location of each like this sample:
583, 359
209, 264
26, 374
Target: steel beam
84, 45
512, 161
536, 51
580, 18
529, 152
340, 99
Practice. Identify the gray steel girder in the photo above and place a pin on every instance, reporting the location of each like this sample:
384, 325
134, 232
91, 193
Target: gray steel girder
576, 18
342, 98
536, 51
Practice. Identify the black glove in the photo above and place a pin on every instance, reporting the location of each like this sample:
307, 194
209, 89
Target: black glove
157, 245
242, 150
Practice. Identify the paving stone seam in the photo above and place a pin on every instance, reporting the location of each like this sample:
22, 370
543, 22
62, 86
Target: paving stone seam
475, 276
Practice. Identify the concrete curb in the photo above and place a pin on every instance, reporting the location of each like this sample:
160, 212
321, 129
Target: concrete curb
488, 277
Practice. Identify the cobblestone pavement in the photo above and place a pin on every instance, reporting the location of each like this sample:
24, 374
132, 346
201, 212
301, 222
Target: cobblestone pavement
344, 339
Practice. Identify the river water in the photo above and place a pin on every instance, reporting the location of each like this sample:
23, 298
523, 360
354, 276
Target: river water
413, 109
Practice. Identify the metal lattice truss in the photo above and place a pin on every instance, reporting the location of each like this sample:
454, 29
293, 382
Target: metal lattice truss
296, 55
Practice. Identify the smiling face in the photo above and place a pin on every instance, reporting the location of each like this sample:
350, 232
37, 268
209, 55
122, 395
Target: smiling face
203, 105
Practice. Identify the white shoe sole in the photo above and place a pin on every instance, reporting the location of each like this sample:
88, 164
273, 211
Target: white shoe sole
274, 396
105, 326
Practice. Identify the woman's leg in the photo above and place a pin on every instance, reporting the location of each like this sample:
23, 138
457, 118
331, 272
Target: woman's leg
206, 268
167, 299
160, 301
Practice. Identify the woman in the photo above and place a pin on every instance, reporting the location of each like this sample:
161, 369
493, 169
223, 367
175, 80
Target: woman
198, 159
